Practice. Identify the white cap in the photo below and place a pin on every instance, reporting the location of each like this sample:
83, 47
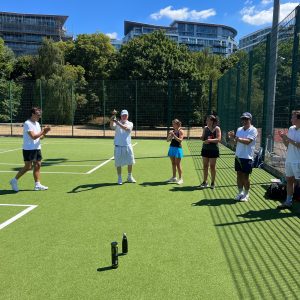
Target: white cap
124, 112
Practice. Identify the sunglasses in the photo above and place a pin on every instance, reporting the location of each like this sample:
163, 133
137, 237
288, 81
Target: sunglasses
245, 119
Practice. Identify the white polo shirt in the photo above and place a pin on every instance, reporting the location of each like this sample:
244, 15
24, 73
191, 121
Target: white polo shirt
243, 150
28, 142
122, 136
293, 152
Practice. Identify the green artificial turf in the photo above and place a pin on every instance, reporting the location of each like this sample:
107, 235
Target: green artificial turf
184, 243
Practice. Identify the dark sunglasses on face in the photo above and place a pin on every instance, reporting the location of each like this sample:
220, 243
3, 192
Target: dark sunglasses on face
245, 119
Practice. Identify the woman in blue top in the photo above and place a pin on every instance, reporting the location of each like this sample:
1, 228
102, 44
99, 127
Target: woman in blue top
211, 136
175, 151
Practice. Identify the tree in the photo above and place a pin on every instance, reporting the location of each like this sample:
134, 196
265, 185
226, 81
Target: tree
58, 84
10, 96
94, 53
7, 60
154, 57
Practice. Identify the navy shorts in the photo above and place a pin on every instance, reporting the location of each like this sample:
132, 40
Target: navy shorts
243, 165
32, 155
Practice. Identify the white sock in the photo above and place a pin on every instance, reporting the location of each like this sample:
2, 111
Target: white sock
37, 183
240, 191
246, 192
129, 174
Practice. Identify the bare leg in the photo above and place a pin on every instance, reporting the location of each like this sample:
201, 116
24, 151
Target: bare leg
290, 186
27, 167
37, 171
205, 168
178, 165
173, 166
212, 165
239, 180
129, 168
119, 171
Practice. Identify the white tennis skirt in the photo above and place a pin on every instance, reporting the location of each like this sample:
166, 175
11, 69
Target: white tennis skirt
124, 156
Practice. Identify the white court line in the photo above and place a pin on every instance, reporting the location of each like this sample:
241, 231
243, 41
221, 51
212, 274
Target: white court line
47, 164
18, 216
48, 172
11, 150
104, 163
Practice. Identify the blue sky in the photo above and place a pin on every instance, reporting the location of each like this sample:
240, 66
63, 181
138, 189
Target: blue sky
89, 16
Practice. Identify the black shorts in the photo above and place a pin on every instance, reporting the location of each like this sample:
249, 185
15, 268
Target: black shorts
210, 153
243, 165
32, 155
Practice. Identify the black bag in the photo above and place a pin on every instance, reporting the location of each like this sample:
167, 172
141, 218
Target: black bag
276, 191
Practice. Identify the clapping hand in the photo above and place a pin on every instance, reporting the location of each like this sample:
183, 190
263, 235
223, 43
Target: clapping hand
113, 117
282, 134
46, 129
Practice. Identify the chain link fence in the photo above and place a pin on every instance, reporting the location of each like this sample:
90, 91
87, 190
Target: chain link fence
245, 88
84, 111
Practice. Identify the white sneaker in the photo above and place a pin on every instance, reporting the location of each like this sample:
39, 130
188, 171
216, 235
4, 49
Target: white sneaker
245, 198
180, 181
14, 184
120, 181
172, 179
40, 187
131, 179
239, 196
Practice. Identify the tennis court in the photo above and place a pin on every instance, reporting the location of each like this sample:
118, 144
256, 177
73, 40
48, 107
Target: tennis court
184, 243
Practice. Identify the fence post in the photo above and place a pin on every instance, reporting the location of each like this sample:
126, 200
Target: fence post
249, 87
72, 107
272, 75
295, 62
265, 103
136, 106
41, 100
237, 94
210, 97
10, 107
169, 108
103, 97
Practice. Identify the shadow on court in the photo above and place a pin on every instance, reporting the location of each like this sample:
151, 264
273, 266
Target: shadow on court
105, 269
88, 187
215, 202
184, 188
7, 192
262, 215
154, 183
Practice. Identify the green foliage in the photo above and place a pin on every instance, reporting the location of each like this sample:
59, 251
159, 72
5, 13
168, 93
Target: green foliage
10, 97
7, 60
94, 53
154, 57
24, 68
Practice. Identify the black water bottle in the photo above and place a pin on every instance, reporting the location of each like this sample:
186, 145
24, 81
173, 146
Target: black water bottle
114, 255
124, 244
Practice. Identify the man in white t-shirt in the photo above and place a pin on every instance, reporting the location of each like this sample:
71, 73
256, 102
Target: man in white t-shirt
245, 139
292, 161
32, 154
123, 152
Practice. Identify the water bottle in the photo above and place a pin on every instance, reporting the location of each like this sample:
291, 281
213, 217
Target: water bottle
124, 244
114, 255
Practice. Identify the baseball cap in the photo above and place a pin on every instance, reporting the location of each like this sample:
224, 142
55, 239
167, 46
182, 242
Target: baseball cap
124, 112
246, 115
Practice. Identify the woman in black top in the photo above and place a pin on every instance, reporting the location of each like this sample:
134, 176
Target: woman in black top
211, 136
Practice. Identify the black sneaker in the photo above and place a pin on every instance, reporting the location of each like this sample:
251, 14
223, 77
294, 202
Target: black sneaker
203, 185
212, 186
285, 205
